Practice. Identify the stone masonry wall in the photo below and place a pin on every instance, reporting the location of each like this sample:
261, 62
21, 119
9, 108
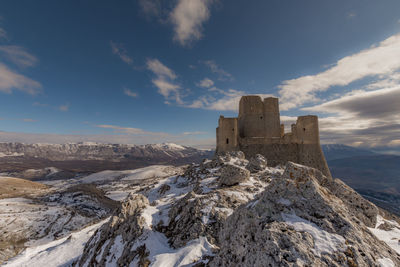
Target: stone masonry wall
257, 130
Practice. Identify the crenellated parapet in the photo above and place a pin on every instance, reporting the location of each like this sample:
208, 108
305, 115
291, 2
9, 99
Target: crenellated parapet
258, 130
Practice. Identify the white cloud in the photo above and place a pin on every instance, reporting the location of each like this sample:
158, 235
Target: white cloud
225, 101
194, 133
222, 74
164, 81
10, 80
129, 130
160, 69
380, 60
64, 108
367, 118
18, 55
206, 83
130, 93
120, 51
150, 7
381, 104
188, 17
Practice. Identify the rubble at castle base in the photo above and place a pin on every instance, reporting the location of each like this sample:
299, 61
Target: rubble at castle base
284, 216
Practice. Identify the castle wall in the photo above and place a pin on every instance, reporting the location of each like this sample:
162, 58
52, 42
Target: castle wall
251, 117
278, 154
306, 130
227, 134
257, 130
272, 123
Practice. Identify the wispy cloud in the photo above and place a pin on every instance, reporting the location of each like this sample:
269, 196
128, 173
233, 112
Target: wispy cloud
121, 52
194, 133
130, 130
188, 17
10, 80
165, 81
64, 107
18, 55
130, 93
368, 118
222, 74
206, 83
213, 99
380, 60
151, 8
160, 69
223, 100
351, 15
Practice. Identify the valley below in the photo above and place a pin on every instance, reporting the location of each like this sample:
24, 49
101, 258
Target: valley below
188, 210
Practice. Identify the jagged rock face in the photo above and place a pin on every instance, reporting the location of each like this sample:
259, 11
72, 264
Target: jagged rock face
122, 228
233, 175
257, 163
298, 222
271, 217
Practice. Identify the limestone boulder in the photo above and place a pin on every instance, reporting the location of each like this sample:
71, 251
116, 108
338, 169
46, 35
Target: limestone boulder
126, 225
233, 175
257, 163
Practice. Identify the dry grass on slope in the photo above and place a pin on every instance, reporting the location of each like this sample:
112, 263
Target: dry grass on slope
16, 187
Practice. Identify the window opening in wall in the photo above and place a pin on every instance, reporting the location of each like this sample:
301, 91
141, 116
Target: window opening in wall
261, 117
227, 140
304, 129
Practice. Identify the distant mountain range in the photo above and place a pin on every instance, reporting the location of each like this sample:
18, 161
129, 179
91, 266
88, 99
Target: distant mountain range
19, 158
376, 176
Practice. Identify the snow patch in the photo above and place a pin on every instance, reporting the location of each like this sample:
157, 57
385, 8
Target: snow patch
324, 242
386, 262
60, 252
155, 171
391, 237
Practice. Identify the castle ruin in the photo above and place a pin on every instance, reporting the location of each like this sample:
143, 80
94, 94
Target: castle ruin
257, 130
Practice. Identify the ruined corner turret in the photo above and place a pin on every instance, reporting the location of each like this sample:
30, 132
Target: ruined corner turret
257, 130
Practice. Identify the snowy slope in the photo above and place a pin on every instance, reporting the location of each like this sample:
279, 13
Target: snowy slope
59, 252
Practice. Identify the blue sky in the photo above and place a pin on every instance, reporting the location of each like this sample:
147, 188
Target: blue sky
152, 71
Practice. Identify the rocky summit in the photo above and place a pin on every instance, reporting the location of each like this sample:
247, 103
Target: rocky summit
230, 211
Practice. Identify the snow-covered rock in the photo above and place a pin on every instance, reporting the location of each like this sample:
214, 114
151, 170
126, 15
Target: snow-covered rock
233, 175
257, 163
274, 217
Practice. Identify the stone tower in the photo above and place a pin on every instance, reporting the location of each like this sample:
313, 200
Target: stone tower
258, 130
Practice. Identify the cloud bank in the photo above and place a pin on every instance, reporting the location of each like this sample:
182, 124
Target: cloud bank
380, 60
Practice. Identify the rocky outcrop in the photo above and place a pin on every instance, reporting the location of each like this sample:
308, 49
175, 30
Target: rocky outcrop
257, 163
303, 219
124, 227
233, 175
273, 217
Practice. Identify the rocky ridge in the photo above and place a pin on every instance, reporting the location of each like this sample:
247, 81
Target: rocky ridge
229, 211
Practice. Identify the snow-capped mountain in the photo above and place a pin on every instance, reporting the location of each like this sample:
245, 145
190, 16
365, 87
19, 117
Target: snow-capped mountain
32, 161
227, 211
94, 151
